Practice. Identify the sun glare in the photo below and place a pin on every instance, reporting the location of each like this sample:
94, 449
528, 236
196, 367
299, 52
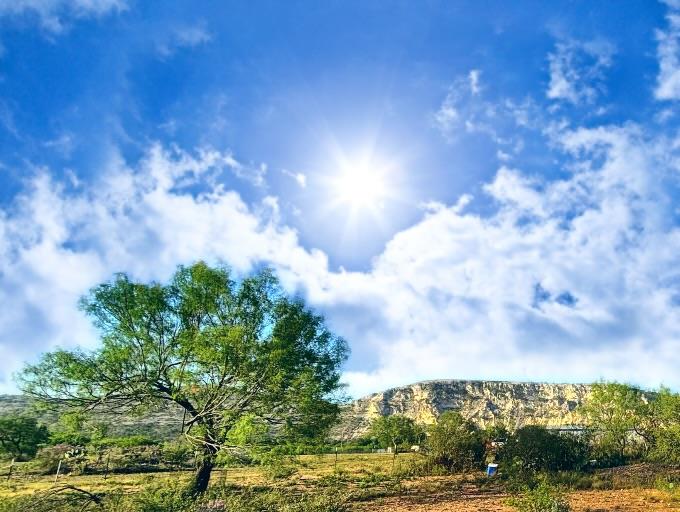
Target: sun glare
360, 186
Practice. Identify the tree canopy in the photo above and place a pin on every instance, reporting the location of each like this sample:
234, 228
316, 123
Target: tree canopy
220, 349
455, 443
615, 411
20, 436
391, 431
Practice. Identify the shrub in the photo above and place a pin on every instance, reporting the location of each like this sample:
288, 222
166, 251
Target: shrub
166, 498
47, 459
542, 498
176, 453
277, 467
455, 444
669, 488
538, 449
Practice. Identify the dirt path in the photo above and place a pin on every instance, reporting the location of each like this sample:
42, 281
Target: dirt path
583, 501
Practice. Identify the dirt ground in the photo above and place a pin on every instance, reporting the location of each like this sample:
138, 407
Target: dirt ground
583, 501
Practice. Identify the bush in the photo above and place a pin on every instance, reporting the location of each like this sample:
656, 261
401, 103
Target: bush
455, 444
47, 459
167, 498
542, 498
176, 453
538, 449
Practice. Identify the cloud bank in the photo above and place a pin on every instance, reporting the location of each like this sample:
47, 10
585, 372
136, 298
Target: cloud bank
572, 279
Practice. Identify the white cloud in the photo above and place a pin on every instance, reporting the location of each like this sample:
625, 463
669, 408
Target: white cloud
668, 53
455, 295
187, 36
300, 178
458, 290
577, 70
466, 110
54, 14
57, 241
473, 77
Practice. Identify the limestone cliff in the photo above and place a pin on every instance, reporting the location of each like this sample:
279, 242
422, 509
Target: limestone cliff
513, 404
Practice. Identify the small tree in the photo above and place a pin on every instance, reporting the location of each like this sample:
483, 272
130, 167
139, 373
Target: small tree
454, 443
665, 427
535, 448
394, 430
20, 436
219, 349
614, 412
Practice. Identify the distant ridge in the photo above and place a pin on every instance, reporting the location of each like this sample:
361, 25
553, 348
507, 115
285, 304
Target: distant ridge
483, 402
163, 423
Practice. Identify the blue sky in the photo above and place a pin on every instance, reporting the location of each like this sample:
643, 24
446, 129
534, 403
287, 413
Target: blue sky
465, 189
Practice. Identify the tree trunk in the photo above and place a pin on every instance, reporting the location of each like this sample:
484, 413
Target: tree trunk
201, 479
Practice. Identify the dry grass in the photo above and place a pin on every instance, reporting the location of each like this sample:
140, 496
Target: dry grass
369, 476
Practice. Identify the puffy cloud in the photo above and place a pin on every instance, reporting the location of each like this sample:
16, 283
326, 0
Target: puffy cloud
668, 53
577, 70
57, 240
571, 279
54, 14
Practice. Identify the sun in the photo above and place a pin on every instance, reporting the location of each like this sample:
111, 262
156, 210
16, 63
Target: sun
360, 185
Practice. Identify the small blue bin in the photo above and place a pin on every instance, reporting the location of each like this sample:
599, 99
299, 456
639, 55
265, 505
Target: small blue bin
491, 469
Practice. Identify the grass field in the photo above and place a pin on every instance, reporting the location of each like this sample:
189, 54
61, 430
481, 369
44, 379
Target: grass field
369, 481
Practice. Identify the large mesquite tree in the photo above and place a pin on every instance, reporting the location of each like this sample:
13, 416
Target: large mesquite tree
221, 350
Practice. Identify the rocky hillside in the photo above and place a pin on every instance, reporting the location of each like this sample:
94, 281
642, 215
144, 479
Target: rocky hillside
156, 423
513, 404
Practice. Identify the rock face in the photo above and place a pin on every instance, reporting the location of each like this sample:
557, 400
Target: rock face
513, 404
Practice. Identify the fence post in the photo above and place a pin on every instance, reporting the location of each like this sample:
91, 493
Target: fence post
58, 469
11, 467
106, 471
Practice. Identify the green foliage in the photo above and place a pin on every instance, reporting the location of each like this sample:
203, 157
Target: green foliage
542, 498
76, 428
395, 430
670, 489
614, 412
535, 448
665, 427
455, 444
173, 498
276, 466
221, 350
166, 498
176, 453
249, 431
20, 436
